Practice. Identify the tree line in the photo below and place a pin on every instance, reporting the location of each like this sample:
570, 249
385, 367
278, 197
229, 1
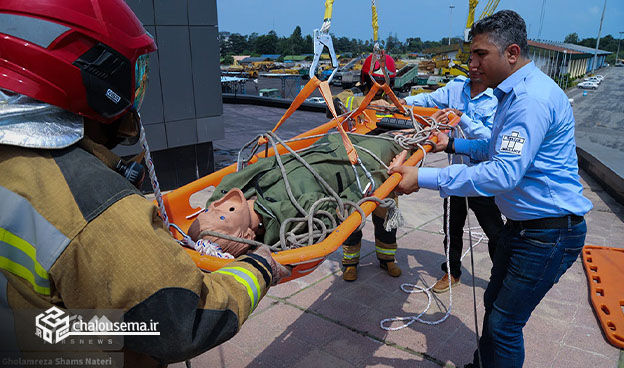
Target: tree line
607, 43
297, 44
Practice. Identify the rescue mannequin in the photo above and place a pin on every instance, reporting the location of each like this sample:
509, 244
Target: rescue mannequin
257, 211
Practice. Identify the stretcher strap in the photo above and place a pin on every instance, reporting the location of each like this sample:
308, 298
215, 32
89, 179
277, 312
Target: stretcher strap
371, 94
393, 97
301, 97
327, 95
305, 92
367, 99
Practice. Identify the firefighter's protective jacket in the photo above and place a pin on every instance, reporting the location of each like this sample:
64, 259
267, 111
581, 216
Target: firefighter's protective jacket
350, 99
75, 234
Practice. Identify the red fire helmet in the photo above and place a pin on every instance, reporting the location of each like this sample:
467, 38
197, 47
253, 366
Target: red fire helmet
85, 56
377, 72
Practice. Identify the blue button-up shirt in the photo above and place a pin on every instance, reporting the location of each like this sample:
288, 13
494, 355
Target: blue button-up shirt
532, 166
478, 112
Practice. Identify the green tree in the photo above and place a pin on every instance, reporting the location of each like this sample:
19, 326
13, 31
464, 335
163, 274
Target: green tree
296, 41
252, 39
237, 44
393, 45
228, 60
414, 44
308, 45
266, 44
571, 38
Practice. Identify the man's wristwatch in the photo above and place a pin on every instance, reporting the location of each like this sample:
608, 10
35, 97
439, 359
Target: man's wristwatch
449, 146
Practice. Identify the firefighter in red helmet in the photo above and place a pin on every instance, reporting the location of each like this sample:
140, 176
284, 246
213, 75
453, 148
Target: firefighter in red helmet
350, 99
385, 241
74, 233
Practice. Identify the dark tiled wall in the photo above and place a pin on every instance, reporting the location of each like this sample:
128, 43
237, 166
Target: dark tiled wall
181, 165
182, 109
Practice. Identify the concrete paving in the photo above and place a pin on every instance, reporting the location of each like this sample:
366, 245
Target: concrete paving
600, 130
321, 321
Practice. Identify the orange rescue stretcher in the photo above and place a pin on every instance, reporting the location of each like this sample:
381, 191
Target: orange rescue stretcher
603, 266
305, 259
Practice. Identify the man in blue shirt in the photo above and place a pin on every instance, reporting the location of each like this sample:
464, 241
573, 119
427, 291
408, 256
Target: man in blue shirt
532, 170
476, 104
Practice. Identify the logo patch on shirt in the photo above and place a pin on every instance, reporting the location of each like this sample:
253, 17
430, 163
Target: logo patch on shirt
512, 143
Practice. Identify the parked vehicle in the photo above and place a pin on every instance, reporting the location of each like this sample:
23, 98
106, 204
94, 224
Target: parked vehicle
593, 80
318, 100
406, 77
270, 92
587, 85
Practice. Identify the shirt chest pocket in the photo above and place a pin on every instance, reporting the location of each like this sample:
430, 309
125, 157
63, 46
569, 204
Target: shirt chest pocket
479, 114
455, 102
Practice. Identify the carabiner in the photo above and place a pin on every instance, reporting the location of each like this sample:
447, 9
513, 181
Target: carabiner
370, 187
321, 40
379, 55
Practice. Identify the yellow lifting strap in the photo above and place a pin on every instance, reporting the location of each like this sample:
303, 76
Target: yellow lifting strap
375, 24
329, 5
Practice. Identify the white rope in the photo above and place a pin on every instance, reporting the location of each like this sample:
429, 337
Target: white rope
152, 174
413, 288
418, 289
474, 235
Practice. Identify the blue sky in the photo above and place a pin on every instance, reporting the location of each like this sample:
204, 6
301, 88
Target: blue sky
427, 19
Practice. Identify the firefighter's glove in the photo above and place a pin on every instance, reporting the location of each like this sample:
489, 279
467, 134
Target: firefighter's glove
278, 271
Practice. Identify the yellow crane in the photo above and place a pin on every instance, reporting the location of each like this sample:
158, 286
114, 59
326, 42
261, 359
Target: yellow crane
464, 51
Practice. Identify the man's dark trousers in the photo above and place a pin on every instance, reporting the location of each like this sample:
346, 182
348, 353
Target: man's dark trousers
489, 218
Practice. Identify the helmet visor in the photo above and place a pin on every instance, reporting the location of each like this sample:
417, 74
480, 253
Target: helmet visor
141, 71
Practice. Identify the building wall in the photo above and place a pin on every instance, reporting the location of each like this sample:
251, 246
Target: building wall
554, 63
183, 110
600, 61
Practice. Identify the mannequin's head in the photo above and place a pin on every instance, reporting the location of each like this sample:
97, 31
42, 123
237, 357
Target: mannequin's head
230, 215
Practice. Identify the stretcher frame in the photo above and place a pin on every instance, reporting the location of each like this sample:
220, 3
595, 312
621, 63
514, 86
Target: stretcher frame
306, 259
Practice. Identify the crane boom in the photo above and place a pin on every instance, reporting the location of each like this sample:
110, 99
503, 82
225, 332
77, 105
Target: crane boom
489, 8
472, 6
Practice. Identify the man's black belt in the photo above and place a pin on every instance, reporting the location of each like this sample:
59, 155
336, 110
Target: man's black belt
548, 222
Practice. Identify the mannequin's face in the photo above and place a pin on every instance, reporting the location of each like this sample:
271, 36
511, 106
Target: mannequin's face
231, 216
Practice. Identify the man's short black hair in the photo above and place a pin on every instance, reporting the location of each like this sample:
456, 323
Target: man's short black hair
503, 28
